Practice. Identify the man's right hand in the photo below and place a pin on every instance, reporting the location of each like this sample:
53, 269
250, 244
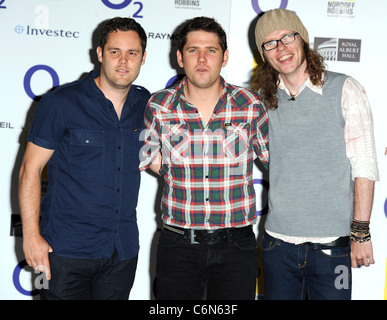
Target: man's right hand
36, 251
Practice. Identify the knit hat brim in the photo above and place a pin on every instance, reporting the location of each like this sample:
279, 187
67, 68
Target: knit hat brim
278, 19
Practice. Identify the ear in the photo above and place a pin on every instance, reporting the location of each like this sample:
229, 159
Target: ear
143, 58
179, 59
99, 54
225, 58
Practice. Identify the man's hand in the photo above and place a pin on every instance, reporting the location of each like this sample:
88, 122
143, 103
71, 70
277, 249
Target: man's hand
361, 254
36, 251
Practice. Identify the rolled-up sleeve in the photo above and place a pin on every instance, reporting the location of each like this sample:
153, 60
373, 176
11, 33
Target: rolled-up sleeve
359, 131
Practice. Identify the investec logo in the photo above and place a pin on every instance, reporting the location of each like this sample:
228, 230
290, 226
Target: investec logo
45, 32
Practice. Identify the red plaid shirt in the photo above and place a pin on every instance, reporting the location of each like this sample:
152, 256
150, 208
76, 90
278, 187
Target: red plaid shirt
207, 170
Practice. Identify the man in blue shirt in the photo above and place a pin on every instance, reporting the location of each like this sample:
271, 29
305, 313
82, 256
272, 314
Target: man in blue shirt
87, 132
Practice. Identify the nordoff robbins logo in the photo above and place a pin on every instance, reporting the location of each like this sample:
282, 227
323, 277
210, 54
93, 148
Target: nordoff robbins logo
187, 4
343, 8
334, 49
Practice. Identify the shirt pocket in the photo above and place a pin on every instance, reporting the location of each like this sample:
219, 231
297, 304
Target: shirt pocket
133, 142
176, 143
236, 140
87, 153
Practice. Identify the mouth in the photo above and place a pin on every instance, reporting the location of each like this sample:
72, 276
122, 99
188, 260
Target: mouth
201, 69
122, 71
285, 58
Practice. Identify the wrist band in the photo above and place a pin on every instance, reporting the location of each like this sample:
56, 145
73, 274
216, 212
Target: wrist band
360, 231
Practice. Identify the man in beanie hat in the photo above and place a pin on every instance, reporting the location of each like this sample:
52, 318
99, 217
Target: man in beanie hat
322, 166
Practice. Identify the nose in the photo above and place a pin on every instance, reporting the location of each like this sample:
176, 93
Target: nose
280, 46
202, 56
123, 60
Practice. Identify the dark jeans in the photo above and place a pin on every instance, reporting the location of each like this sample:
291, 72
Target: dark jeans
89, 279
297, 272
191, 271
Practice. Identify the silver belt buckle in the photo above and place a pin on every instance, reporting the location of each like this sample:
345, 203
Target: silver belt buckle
192, 236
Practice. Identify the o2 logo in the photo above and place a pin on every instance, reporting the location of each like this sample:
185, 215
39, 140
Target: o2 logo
39, 282
1, 4
30, 73
265, 185
124, 4
258, 10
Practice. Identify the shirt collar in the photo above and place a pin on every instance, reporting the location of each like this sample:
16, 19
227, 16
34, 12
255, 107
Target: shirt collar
307, 83
180, 89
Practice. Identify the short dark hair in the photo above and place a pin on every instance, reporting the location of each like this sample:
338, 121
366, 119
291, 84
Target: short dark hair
122, 24
202, 24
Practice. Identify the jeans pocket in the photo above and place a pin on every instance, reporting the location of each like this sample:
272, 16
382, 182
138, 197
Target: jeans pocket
335, 252
169, 239
269, 244
247, 242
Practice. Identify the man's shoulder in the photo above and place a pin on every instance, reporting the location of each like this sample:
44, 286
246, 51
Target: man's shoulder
242, 96
332, 76
66, 88
141, 91
163, 98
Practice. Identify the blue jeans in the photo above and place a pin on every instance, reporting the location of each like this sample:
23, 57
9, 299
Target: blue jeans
89, 279
192, 271
297, 272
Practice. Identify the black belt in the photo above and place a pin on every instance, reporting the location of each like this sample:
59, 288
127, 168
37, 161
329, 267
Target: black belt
339, 242
209, 237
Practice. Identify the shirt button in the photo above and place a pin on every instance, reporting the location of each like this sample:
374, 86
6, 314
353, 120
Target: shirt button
207, 199
87, 141
119, 147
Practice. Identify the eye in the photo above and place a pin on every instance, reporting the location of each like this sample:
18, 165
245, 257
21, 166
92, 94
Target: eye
287, 37
270, 44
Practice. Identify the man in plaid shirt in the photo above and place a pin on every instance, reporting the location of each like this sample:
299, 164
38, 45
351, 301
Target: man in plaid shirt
201, 137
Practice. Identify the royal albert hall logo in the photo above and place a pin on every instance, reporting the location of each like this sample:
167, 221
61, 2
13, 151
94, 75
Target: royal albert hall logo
334, 49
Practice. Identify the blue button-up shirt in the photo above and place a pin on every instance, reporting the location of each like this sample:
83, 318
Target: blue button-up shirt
93, 175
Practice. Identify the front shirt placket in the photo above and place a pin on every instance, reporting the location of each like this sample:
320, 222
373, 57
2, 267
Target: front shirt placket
211, 136
117, 140
118, 178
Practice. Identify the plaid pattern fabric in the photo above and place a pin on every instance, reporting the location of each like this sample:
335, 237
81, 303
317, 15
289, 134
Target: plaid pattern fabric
207, 170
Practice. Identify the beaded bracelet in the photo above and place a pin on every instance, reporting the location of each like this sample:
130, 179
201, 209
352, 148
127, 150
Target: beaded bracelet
360, 231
